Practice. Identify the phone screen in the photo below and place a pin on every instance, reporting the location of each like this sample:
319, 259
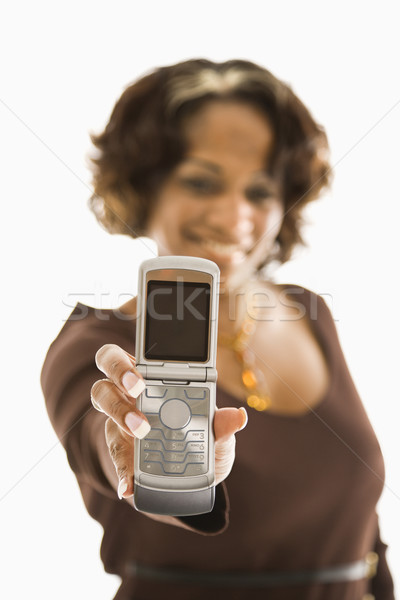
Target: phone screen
177, 321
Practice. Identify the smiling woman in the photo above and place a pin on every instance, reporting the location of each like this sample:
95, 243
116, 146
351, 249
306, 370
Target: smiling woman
218, 160
219, 202
147, 137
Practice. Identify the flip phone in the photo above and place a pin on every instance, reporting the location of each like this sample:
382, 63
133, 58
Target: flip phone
176, 348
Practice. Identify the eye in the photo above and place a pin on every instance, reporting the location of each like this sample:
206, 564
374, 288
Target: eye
200, 185
259, 194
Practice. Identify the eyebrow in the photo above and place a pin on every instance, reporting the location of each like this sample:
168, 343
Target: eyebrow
217, 169
204, 163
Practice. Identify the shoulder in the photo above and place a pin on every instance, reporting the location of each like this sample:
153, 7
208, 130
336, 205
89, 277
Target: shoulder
83, 333
313, 306
95, 322
294, 301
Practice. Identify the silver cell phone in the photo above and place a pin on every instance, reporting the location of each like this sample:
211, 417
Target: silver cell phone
176, 349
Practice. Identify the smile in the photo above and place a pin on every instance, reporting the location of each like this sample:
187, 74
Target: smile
220, 248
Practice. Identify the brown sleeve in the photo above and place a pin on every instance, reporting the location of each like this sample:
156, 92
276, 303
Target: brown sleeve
68, 373
382, 584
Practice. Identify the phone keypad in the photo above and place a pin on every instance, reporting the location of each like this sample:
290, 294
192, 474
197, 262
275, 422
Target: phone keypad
177, 443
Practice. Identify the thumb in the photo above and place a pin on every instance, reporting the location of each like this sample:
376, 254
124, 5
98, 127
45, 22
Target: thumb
228, 421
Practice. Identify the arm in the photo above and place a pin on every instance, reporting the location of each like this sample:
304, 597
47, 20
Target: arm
382, 582
381, 585
116, 397
68, 374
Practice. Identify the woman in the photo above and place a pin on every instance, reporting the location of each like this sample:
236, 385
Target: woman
218, 161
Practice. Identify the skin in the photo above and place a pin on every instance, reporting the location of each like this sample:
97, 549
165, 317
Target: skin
221, 193
220, 203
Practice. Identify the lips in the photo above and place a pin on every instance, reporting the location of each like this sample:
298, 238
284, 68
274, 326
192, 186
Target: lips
225, 249
223, 253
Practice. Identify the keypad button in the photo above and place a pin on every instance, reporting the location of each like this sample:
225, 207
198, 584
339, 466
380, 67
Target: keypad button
151, 406
175, 435
154, 421
153, 468
197, 435
195, 469
152, 456
199, 407
177, 442
175, 446
196, 458
152, 444
175, 414
174, 468
195, 393
174, 456
156, 391
196, 446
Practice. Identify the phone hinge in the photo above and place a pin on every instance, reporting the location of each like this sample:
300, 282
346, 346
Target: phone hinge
212, 374
178, 373
175, 373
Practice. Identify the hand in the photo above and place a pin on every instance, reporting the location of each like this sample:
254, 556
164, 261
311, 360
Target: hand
116, 397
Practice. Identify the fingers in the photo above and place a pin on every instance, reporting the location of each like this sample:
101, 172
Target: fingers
116, 395
119, 367
228, 421
107, 398
120, 447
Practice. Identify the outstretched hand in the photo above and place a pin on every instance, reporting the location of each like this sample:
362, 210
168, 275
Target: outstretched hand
116, 397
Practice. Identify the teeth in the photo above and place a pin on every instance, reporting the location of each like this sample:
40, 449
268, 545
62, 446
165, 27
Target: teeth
222, 248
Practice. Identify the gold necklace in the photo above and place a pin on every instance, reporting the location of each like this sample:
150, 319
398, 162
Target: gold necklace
253, 379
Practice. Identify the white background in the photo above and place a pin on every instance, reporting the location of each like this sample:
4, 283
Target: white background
64, 64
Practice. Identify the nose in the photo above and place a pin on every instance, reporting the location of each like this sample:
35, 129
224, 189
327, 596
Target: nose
232, 215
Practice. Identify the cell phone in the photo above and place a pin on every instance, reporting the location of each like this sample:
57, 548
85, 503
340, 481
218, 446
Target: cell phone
176, 350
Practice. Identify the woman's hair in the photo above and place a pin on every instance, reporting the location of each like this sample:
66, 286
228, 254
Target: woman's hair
144, 140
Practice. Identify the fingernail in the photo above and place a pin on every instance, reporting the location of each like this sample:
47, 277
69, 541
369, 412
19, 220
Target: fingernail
139, 427
122, 487
133, 384
246, 417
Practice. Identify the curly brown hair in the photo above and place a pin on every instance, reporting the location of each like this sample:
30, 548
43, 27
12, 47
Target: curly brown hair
143, 141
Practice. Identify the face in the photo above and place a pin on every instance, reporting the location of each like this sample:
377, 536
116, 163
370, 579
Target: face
219, 202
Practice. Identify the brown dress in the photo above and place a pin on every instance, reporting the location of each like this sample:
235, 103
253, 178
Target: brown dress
302, 493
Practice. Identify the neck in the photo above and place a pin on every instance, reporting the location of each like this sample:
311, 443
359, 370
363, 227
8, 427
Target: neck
254, 298
233, 305
232, 308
